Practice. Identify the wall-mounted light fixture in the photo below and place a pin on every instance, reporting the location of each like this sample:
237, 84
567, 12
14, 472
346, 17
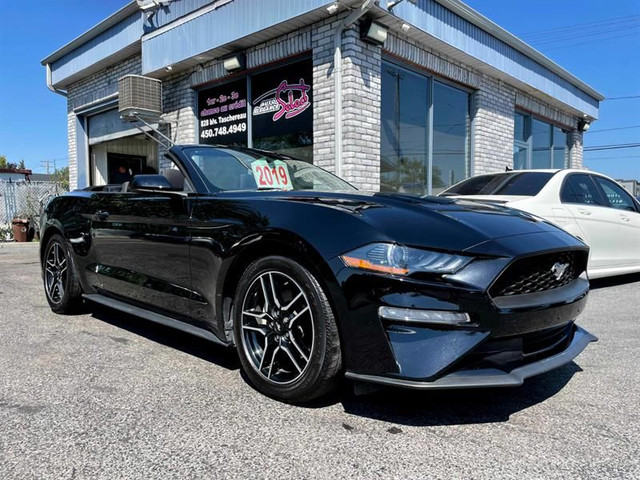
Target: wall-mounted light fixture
583, 125
405, 27
373, 32
333, 8
234, 62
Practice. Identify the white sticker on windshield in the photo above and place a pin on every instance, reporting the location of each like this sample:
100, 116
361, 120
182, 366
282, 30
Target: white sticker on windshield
271, 176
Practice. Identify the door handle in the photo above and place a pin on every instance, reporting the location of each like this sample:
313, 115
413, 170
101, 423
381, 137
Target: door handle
584, 212
101, 215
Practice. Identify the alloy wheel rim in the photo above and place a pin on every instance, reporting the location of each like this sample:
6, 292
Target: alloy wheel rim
55, 273
277, 327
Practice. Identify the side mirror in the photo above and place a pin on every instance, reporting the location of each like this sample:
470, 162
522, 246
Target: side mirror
150, 183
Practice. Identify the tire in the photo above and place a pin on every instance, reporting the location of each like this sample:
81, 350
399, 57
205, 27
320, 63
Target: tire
288, 344
61, 285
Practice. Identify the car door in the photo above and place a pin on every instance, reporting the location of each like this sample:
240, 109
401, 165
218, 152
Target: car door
582, 197
624, 209
142, 248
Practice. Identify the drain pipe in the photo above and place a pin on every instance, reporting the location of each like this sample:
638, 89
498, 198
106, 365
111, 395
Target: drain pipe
337, 78
50, 83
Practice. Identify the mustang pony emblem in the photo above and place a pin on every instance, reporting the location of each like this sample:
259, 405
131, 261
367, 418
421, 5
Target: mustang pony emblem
558, 269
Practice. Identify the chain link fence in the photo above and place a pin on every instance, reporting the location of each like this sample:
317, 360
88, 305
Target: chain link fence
24, 199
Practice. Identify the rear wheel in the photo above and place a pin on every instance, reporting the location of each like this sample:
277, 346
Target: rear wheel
61, 284
285, 331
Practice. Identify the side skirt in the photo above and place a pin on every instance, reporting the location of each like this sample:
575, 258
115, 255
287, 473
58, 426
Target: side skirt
154, 317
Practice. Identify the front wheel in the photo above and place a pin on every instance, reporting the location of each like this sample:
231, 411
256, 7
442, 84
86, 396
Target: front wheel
285, 331
61, 284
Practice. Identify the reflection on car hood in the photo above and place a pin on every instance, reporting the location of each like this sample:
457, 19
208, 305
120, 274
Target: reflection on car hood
490, 198
436, 222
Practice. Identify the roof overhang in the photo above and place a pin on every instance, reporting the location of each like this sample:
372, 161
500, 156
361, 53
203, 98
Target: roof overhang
126, 11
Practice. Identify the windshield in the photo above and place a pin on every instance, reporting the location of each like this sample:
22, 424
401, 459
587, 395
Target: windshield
246, 169
513, 183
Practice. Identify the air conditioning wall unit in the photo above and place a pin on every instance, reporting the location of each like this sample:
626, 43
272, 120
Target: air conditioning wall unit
139, 96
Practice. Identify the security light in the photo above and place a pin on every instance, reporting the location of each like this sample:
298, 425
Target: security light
234, 62
583, 125
333, 8
373, 32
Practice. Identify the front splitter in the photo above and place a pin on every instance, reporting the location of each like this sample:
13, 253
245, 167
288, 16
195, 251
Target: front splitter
489, 377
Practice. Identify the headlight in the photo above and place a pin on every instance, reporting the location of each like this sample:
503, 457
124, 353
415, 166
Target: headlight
401, 260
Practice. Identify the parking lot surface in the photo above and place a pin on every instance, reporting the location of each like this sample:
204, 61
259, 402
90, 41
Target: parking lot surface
105, 395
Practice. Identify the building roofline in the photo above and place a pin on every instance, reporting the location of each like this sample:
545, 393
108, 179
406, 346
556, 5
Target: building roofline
510, 39
21, 171
456, 6
126, 11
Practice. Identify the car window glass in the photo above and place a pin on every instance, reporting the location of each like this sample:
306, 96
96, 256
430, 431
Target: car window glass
580, 189
223, 170
617, 196
238, 168
516, 183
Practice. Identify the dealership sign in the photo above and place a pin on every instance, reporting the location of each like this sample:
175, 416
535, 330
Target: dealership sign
277, 111
222, 114
285, 100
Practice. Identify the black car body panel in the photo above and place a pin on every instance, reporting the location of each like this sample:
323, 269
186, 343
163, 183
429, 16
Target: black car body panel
180, 254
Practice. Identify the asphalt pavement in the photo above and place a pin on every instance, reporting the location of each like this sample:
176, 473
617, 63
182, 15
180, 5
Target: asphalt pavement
104, 395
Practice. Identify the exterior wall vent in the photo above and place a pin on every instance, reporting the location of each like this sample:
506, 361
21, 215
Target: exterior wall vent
139, 96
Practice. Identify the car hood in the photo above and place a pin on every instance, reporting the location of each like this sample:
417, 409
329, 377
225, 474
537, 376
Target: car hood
433, 222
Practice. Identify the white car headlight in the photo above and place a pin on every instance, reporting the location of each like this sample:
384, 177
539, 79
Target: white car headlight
401, 260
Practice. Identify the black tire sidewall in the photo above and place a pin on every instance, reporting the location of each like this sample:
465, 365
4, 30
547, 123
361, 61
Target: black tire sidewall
304, 386
71, 294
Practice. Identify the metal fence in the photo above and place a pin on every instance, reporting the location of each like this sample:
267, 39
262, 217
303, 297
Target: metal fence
25, 198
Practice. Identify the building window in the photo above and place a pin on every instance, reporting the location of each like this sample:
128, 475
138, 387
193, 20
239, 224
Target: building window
278, 116
424, 134
538, 144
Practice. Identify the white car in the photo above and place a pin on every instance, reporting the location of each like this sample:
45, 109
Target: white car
588, 205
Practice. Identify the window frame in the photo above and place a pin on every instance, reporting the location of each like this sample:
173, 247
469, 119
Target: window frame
528, 143
388, 60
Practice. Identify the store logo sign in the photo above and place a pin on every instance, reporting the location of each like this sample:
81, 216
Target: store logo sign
287, 100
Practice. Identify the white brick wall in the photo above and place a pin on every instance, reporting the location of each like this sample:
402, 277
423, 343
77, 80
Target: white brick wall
493, 127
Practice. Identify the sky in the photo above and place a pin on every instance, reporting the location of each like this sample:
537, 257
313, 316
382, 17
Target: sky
596, 41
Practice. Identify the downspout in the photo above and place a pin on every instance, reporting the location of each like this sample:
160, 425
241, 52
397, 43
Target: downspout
50, 84
337, 78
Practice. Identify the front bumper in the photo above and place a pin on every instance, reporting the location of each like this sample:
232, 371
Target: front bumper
489, 377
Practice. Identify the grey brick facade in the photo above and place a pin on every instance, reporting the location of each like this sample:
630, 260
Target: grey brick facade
493, 101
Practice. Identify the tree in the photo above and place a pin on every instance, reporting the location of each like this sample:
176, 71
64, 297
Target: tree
61, 175
21, 165
3, 161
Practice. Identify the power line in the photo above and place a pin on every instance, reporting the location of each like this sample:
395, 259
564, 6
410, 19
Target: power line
611, 147
581, 26
591, 132
551, 46
625, 158
622, 98
582, 35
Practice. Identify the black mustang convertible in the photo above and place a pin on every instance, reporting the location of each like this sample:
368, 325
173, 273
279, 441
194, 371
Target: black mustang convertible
312, 280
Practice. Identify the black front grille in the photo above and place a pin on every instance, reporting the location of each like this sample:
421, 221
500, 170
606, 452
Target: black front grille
539, 273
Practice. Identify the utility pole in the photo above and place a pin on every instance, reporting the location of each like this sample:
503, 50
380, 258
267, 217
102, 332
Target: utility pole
47, 163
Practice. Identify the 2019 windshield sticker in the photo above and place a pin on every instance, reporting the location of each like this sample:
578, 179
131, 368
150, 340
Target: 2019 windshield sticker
288, 100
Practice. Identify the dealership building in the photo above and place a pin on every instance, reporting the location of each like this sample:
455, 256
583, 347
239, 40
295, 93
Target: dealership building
409, 96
